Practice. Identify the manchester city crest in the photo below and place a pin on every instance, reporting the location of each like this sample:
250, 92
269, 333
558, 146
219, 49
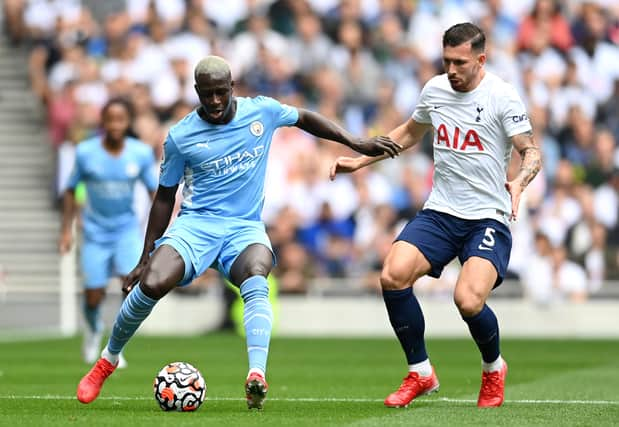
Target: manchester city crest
132, 170
256, 128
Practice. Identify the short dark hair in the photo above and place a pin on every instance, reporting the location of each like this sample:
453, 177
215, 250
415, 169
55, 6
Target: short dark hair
128, 105
464, 32
120, 101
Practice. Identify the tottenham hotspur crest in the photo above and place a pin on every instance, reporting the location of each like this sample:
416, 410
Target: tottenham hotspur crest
256, 128
479, 110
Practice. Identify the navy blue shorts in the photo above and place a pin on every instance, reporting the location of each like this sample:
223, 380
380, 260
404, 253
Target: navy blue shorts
441, 237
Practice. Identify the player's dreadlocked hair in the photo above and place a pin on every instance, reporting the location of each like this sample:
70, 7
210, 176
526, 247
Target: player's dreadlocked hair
462, 33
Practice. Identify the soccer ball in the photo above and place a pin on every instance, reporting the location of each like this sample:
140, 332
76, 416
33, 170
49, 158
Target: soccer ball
179, 387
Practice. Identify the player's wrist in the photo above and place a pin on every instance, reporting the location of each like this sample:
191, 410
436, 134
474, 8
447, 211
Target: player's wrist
352, 142
362, 161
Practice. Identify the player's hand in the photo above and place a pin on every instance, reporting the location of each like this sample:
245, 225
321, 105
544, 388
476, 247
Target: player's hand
65, 242
131, 279
343, 165
377, 146
515, 191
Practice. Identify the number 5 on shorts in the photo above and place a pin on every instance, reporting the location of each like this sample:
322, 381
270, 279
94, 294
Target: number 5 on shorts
488, 242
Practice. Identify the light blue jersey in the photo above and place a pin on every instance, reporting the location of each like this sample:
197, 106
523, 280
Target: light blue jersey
224, 165
110, 182
224, 170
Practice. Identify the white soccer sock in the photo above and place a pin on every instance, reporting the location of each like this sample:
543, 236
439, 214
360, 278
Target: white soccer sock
112, 358
492, 366
256, 370
424, 368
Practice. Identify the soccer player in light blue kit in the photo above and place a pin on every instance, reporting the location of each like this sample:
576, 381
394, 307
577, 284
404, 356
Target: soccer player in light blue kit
109, 165
221, 151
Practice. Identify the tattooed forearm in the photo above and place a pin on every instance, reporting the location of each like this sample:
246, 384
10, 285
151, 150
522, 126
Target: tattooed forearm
531, 157
531, 164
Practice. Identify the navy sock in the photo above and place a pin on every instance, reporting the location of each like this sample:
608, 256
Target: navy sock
408, 323
93, 317
484, 329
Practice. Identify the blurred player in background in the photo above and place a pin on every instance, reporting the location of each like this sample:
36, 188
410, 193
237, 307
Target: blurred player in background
220, 150
477, 118
109, 165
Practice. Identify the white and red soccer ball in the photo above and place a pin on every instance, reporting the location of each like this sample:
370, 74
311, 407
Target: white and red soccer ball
179, 387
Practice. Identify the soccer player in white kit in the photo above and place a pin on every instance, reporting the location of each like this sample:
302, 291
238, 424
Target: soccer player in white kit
477, 118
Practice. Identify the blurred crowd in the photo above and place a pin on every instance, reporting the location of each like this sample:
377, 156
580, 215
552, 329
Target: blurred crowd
362, 63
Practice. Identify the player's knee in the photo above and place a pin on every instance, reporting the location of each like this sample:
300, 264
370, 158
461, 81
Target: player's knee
392, 280
469, 303
251, 269
255, 260
257, 269
154, 285
94, 298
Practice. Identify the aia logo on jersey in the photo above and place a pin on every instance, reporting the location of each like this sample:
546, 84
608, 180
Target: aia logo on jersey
456, 141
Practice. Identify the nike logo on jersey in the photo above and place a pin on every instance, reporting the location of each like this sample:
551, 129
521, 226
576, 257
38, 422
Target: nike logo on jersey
483, 248
436, 107
202, 145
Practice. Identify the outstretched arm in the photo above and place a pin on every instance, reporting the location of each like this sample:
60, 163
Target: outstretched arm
69, 210
406, 135
529, 167
158, 220
322, 127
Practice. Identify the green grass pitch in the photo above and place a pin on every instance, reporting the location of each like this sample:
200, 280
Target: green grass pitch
315, 382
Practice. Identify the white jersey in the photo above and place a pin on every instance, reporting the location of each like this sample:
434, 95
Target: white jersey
471, 144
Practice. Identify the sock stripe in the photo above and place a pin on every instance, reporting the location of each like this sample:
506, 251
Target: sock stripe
253, 316
253, 308
135, 308
142, 299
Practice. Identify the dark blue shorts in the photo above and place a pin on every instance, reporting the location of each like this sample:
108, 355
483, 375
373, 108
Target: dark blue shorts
441, 237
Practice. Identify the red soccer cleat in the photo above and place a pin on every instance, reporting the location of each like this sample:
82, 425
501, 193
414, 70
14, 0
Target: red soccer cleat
89, 387
492, 392
256, 388
413, 385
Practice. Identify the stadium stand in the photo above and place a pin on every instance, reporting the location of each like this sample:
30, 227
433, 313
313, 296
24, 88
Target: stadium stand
361, 62
29, 224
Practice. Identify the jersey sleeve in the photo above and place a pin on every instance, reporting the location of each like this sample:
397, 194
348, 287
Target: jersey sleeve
172, 165
513, 114
422, 110
148, 175
77, 172
281, 114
